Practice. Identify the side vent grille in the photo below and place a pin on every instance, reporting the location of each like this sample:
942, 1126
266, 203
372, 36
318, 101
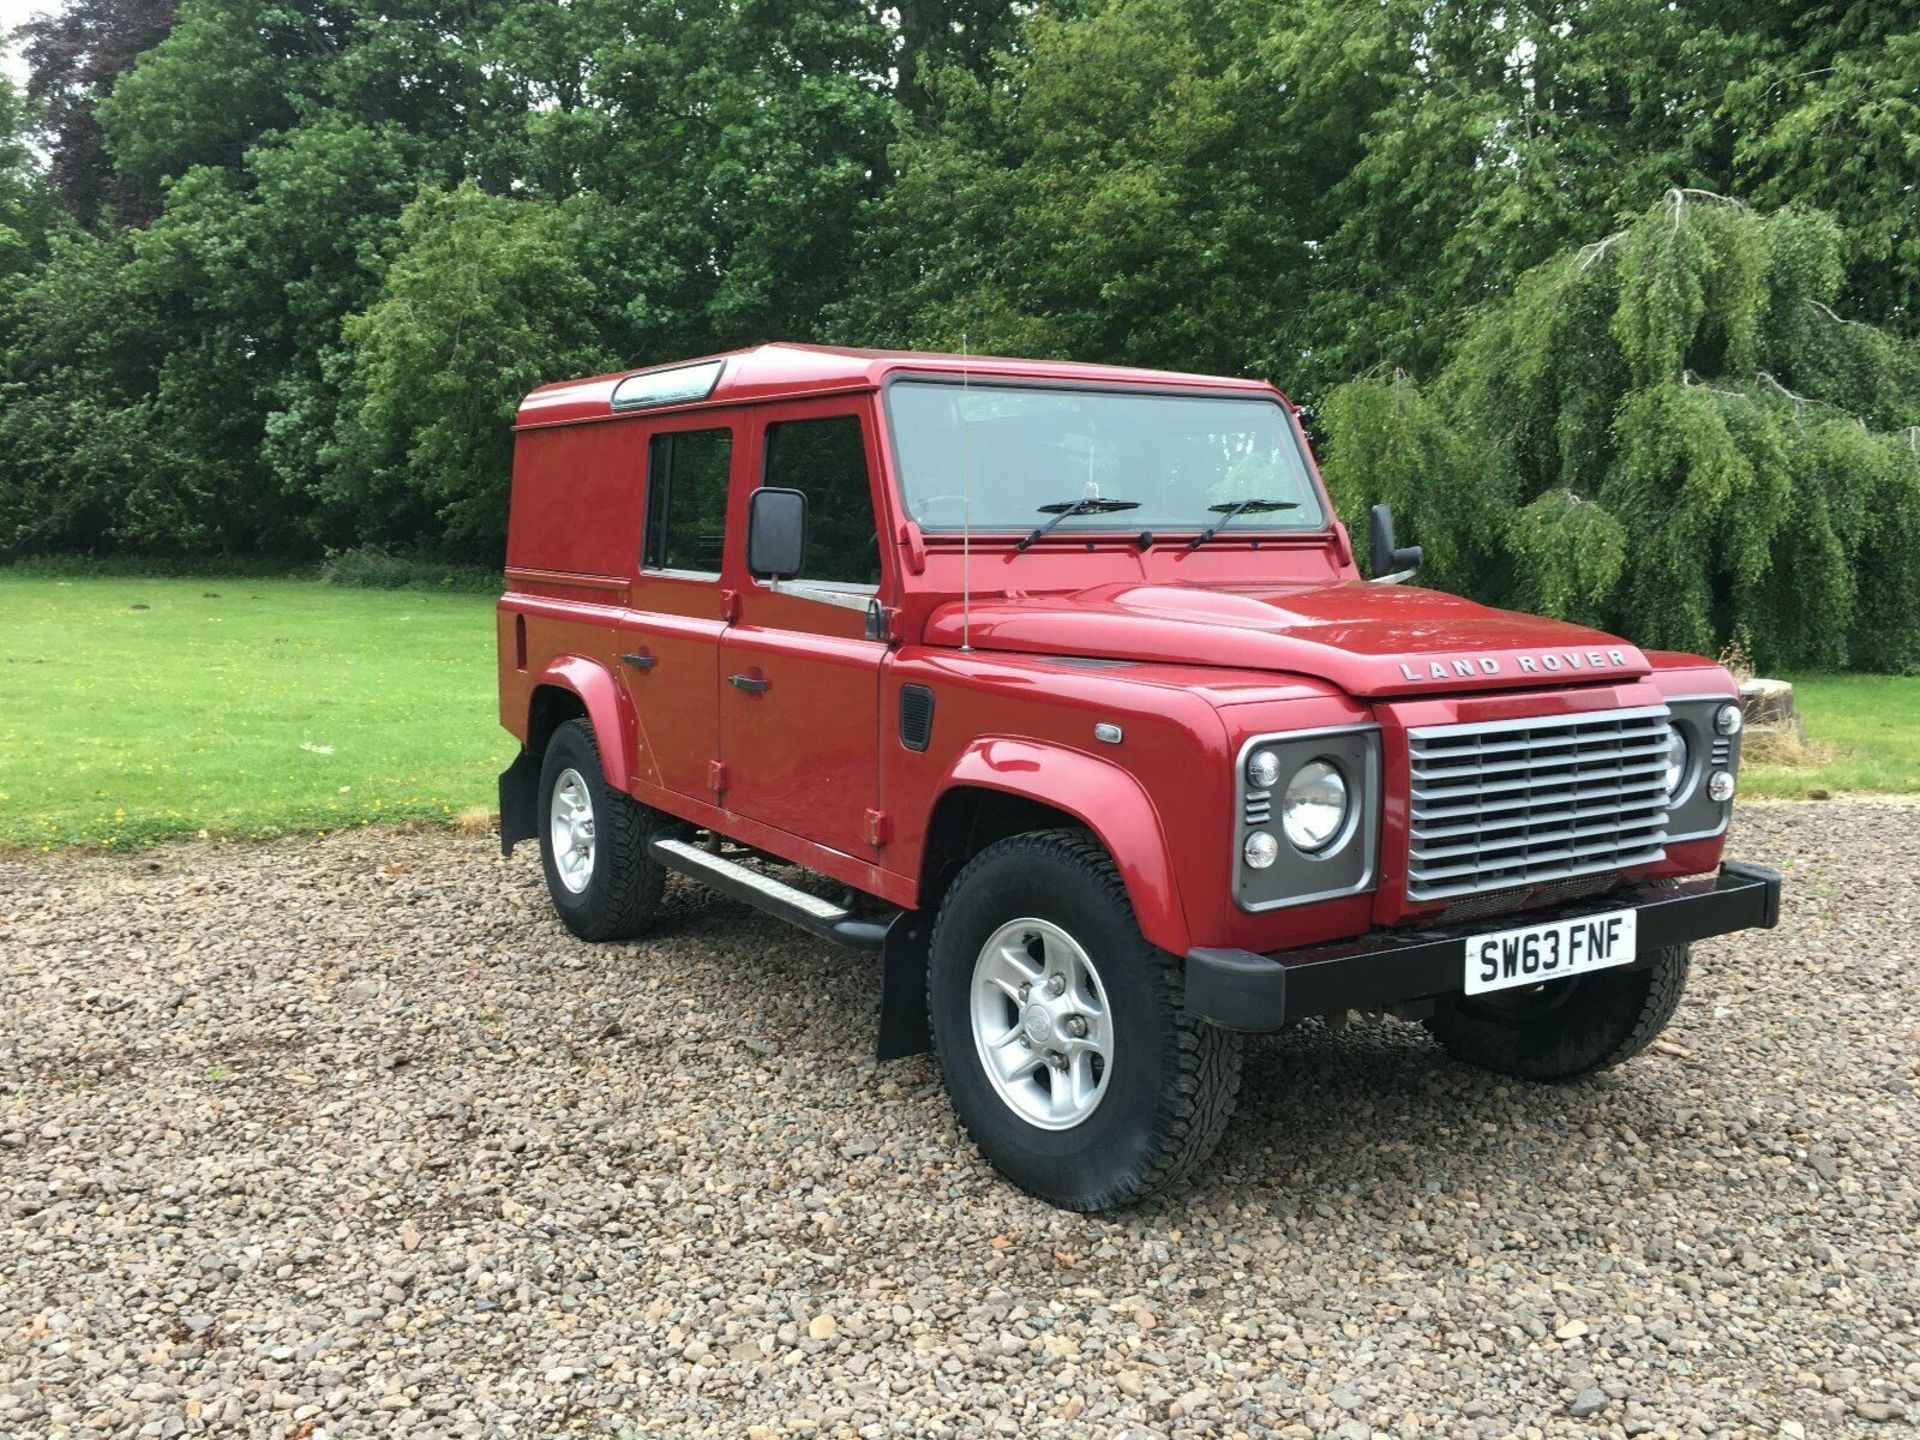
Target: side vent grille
916, 716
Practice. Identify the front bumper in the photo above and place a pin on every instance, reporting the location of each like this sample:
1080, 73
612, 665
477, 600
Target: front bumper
1239, 990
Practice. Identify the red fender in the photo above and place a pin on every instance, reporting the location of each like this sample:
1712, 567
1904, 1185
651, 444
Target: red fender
1104, 798
609, 710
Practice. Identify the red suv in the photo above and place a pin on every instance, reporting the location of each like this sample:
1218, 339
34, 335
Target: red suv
1058, 685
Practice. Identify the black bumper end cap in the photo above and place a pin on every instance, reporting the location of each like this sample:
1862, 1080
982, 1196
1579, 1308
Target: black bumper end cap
1769, 881
1236, 990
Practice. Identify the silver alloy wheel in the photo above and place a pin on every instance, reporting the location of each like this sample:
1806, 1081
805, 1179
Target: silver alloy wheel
1040, 1023
570, 822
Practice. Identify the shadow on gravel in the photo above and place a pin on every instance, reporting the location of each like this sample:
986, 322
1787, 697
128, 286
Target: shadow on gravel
1371, 1108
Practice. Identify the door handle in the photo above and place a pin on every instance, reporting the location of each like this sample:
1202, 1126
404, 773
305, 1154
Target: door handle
641, 662
753, 685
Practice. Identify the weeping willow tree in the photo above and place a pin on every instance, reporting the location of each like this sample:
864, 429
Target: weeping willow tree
1671, 433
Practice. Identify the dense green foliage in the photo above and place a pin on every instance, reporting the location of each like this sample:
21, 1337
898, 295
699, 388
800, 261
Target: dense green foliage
289, 263
1673, 433
25, 209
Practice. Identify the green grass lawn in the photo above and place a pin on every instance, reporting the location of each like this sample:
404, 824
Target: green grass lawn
260, 706
239, 706
1869, 725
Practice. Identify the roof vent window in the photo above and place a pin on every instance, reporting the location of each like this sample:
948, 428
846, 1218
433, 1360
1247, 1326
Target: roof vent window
667, 387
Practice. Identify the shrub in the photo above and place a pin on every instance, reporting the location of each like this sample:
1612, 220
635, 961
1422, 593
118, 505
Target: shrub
373, 567
1672, 434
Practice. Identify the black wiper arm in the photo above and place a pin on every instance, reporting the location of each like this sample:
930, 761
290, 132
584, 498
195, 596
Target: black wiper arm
1237, 507
1067, 509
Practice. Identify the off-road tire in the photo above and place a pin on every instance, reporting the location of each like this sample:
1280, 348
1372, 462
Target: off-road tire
1597, 1022
622, 894
1174, 1079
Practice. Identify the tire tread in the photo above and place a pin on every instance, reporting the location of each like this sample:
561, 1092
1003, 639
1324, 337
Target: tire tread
1621, 1026
1202, 1064
632, 883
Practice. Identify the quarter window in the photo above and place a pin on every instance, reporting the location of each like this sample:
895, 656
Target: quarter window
687, 500
828, 460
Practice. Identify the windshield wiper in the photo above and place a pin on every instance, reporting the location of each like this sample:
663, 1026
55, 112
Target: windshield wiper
1237, 507
1067, 509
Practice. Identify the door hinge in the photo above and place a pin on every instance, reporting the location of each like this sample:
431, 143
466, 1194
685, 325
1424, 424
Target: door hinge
729, 605
879, 827
716, 776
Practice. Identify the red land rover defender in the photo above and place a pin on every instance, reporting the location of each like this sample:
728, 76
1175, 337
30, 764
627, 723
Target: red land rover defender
1057, 685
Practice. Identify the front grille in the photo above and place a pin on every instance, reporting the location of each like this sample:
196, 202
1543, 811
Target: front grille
1522, 802
1554, 892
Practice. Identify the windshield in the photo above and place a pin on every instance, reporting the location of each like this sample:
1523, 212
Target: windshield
1000, 453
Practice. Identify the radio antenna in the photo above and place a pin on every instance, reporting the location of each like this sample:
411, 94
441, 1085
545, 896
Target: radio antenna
966, 502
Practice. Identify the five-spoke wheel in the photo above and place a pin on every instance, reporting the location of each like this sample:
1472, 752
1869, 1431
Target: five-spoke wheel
1040, 1023
1060, 1029
570, 819
594, 847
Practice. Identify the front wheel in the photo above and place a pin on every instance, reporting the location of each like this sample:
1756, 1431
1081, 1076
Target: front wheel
1060, 1031
593, 843
1568, 1028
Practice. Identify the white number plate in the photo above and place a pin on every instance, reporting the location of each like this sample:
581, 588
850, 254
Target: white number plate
1537, 953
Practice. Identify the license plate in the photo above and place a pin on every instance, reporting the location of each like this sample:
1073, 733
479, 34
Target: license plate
1534, 954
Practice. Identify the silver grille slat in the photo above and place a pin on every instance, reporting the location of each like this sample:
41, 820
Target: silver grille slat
1453, 811
1528, 841
1518, 815
1561, 773
1653, 749
1525, 802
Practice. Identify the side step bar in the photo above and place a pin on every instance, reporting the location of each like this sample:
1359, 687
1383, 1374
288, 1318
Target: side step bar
763, 892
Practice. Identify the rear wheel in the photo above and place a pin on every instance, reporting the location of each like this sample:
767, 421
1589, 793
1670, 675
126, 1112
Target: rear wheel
1568, 1028
593, 843
1060, 1032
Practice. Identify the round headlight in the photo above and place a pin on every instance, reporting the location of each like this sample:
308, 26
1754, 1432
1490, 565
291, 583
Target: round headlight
1728, 720
1261, 850
1676, 758
1263, 769
1314, 809
1720, 786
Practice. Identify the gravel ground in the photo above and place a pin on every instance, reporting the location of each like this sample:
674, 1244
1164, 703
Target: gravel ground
348, 1137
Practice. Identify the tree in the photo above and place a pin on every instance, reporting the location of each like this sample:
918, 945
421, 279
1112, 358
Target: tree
24, 203
487, 298
75, 54
1308, 189
1672, 432
1119, 192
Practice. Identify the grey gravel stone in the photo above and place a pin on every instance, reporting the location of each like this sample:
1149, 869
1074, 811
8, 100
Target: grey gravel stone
1588, 1401
661, 1189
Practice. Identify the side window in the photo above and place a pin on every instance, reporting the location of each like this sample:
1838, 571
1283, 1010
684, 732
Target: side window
687, 500
828, 460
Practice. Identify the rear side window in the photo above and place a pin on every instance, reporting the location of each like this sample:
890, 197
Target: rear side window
687, 500
828, 460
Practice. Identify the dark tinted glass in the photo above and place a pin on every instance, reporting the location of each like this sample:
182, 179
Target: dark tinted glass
687, 500
828, 459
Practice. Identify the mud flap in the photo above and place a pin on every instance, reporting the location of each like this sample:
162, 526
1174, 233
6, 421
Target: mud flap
519, 801
903, 986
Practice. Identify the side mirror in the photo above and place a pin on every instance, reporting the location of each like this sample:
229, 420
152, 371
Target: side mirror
1384, 557
777, 533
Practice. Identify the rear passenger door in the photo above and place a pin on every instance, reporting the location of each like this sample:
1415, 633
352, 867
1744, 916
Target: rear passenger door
799, 699
667, 644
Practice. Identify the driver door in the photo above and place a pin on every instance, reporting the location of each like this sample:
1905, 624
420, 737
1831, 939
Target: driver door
800, 682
